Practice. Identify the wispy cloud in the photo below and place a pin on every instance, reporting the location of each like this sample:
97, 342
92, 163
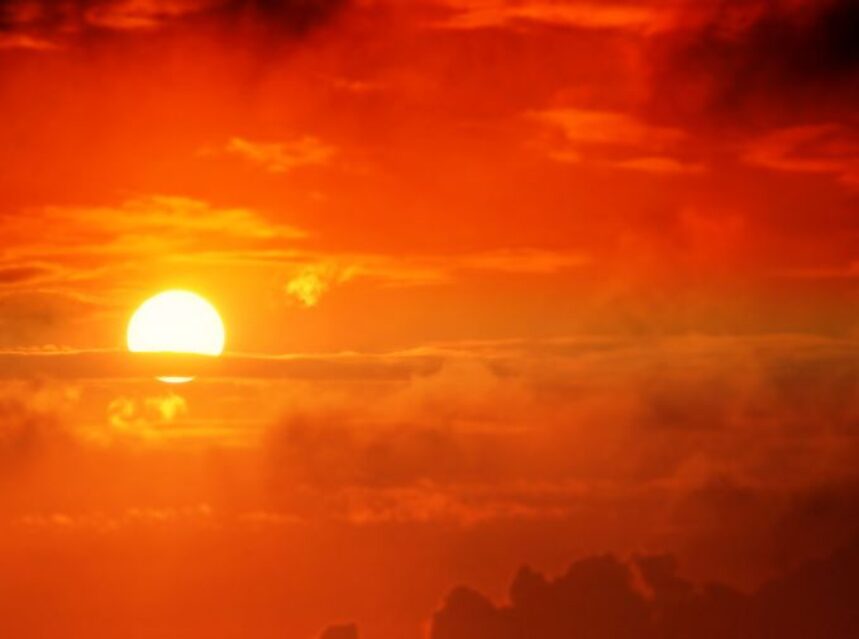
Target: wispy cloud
282, 157
824, 149
312, 282
614, 140
482, 14
144, 416
132, 15
64, 363
26, 42
148, 224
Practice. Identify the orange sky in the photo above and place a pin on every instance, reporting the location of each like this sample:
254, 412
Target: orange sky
504, 282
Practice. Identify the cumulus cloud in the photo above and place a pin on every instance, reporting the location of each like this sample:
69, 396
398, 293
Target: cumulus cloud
604, 598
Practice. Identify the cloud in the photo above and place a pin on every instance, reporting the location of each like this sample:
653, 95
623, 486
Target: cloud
197, 516
603, 598
428, 270
608, 128
483, 14
738, 62
58, 363
22, 274
523, 261
614, 140
153, 227
282, 157
24, 42
309, 285
145, 219
289, 17
295, 17
29, 315
135, 15
344, 631
660, 165
822, 149
31, 426
144, 417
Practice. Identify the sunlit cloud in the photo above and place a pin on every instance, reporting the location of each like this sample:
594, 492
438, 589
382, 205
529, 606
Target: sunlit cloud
608, 128
146, 225
660, 165
615, 140
25, 42
482, 14
281, 157
824, 149
144, 14
308, 286
147, 413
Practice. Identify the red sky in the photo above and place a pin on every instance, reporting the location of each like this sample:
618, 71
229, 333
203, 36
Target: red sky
504, 283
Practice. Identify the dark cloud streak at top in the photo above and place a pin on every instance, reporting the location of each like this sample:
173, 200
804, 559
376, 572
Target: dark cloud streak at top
288, 18
783, 60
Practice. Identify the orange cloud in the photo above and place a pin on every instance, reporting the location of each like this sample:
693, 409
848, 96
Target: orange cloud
607, 127
143, 14
615, 140
282, 157
23, 41
130, 414
816, 149
309, 285
482, 14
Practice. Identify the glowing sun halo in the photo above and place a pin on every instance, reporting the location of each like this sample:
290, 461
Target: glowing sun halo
176, 322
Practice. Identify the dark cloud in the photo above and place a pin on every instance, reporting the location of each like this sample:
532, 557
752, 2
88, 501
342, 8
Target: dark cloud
23, 432
335, 451
815, 517
48, 16
602, 597
52, 362
19, 274
816, 600
28, 317
297, 16
345, 631
770, 60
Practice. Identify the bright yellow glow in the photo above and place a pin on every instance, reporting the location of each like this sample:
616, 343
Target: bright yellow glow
176, 322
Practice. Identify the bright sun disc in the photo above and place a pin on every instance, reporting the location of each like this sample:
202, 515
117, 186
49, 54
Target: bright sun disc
176, 322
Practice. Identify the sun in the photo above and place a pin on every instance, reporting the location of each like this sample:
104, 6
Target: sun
176, 322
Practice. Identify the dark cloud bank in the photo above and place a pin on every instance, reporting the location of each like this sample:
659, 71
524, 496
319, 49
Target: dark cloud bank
288, 17
602, 597
777, 60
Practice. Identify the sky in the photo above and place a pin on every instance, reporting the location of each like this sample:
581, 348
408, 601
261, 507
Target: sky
541, 318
